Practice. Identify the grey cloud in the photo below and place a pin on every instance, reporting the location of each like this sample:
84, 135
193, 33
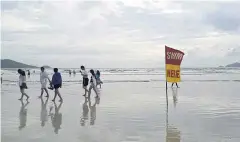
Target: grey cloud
226, 17
110, 35
234, 52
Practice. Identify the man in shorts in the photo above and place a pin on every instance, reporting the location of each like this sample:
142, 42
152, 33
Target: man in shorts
43, 79
57, 83
85, 79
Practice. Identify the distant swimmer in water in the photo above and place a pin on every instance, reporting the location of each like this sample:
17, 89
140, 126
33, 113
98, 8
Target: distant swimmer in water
57, 83
1, 78
175, 83
22, 83
43, 80
85, 79
93, 84
99, 82
74, 72
70, 72
29, 73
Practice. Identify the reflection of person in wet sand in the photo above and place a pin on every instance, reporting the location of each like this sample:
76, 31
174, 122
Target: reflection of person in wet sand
43, 112
85, 112
93, 110
174, 94
23, 115
56, 118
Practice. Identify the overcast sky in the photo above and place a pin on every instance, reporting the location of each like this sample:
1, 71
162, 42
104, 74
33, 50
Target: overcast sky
120, 33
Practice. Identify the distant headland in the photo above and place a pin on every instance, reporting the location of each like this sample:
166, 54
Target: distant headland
233, 65
7, 63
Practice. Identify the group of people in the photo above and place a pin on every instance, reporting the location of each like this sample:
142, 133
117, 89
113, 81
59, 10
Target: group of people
56, 82
94, 81
70, 72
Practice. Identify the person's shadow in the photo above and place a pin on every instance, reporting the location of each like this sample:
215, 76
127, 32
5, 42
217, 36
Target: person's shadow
23, 115
93, 113
44, 113
56, 118
85, 112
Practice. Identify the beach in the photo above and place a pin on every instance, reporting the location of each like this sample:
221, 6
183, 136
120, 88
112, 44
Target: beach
133, 107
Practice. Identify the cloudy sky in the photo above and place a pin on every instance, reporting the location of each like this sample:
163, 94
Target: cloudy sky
126, 33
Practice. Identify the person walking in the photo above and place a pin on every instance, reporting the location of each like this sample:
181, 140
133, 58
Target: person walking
22, 84
85, 79
43, 80
93, 84
99, 82
175, 83
57, 83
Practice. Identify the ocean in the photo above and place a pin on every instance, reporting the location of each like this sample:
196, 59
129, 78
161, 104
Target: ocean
134, 106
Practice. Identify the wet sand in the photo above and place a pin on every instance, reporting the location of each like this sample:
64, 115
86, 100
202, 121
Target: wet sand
133, 111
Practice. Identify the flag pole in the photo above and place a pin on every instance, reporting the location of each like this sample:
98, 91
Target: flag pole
166, 76
165, 71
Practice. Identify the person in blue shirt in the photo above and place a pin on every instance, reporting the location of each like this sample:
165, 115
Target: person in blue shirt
57, 83
99, 82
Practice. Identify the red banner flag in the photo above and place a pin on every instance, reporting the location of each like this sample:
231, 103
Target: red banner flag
173, 60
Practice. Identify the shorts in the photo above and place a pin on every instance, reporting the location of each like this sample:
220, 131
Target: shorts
99, 81
85, 82
43, 85
57, 86
23, 86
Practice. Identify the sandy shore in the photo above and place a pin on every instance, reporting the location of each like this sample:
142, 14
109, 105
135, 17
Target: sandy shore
137, 111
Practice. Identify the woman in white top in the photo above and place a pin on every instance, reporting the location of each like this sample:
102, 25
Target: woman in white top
93, 84
43, 79
22, 83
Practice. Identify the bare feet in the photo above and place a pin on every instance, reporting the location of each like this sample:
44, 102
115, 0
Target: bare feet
84, 94
20, 99
53, 100
47, 96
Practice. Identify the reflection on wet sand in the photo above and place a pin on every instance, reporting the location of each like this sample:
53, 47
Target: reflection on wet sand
23, 115
44, 116
56, 117
172, 133
85, 112
93, 113
175, 96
